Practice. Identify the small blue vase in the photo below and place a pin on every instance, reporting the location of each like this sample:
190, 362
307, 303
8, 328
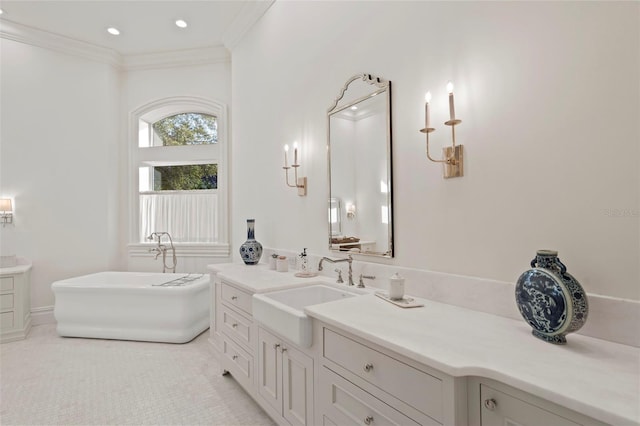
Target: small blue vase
251, 250
551, 300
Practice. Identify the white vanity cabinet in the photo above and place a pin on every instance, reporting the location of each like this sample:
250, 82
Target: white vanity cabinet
493, 403
234, 332
15, 302
285, 379
373, 363
362, 383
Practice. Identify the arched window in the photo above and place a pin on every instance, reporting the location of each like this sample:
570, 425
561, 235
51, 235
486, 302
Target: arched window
179, 157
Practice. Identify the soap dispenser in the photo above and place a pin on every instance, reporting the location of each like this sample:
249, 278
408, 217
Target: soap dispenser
304, 261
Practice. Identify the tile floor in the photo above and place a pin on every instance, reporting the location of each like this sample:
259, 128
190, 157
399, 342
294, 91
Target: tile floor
51, 380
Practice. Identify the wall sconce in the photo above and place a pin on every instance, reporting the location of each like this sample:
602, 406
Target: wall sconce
6, 211
351, 211
453, 159
300, 183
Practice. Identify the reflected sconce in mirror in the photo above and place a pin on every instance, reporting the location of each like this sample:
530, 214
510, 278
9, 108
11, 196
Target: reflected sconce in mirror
6, 211
351, 211
453, 159
300, 183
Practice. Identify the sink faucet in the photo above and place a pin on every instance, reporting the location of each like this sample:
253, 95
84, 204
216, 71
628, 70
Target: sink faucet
349, 259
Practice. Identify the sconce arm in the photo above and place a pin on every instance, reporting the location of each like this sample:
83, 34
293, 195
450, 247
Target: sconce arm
451, 158
301, 183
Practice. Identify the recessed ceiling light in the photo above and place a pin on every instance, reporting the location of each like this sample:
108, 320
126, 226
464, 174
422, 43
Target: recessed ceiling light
354, 107
181, 23
113, 31
1, 11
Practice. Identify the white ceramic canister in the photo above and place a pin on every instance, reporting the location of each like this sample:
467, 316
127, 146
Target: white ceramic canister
282, 264
273, 259
396, 287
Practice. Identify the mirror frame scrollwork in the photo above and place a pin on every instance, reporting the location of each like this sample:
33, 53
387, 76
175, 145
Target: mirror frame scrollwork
379, 86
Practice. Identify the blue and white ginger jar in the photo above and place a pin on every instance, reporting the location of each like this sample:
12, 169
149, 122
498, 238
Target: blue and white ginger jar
551, 300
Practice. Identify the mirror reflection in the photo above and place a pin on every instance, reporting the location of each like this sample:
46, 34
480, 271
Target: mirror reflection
360, 209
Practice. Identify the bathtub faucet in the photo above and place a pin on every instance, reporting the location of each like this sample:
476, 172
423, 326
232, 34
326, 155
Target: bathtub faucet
162, 250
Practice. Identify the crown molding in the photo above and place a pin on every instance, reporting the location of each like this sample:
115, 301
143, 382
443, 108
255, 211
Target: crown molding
189, 57
176, 58
250, 14
28, 35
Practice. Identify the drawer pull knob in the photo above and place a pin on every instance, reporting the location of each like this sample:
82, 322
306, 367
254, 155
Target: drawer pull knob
368, 420
234, 297
368, 367
234, 357
234, 325
276, 346
283, 350
490, 404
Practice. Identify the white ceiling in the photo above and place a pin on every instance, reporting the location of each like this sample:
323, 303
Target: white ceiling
146, 26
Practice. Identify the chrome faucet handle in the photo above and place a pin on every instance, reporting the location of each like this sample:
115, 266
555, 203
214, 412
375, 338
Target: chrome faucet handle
362, 277
339, 280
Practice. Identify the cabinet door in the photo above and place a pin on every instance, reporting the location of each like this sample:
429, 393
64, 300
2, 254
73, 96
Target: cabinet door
500, 409
342, 402
297, 387
269, 369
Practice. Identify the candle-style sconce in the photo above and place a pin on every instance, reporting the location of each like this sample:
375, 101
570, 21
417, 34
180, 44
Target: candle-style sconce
300, 183
6, 211
452, 155
351, 211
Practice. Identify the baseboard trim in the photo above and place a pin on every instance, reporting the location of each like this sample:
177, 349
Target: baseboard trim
42, 315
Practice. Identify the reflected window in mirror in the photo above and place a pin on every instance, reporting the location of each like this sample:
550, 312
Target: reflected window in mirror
335, 219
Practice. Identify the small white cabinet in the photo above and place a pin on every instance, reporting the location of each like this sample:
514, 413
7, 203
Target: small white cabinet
15, 302
285, 379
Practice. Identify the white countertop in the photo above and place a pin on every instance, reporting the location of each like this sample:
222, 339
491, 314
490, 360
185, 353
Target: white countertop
259, 278
21, 267
597, 378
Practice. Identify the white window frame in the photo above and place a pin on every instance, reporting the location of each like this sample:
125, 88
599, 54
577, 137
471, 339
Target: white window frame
151, 113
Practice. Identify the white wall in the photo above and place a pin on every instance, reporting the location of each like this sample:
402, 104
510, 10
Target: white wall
548, 95
141, 87
64, 158
58, 159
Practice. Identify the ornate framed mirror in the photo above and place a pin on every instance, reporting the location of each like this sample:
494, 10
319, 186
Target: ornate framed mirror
359, 159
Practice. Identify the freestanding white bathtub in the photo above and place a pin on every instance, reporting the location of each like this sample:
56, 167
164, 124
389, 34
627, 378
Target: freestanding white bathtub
152, 307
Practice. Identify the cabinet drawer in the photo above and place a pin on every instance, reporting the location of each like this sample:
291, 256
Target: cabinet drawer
236, 297
236, 326
6, 302
511, 411
6, 284
6, 320
346, 404
326, 421
416, 388
241, 363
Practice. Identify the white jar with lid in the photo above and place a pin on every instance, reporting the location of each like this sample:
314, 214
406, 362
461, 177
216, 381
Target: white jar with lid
282, 264
396, 287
